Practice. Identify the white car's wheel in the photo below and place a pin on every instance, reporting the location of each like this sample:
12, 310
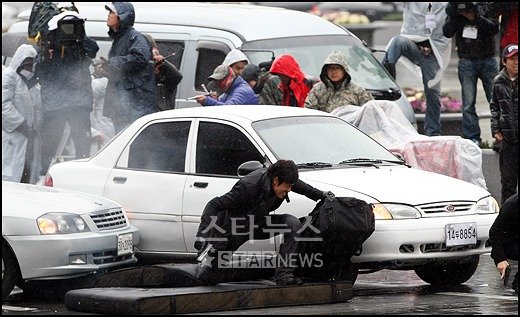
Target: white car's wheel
452, 272
10, 271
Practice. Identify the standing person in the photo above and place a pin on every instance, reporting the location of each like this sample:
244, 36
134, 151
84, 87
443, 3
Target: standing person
102, 126
336, 87
21, 117
421, 41
507, 14
131, 90
62, 69
251, 75
503, 238
293, 84
167, 77
504, 119
474, 36
235, 90
256, 195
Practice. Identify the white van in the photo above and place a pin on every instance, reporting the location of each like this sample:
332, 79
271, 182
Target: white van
197, 37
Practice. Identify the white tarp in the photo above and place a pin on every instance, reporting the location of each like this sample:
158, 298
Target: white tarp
448, 155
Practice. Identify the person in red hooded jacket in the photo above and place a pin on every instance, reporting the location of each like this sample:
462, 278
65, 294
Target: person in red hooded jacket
293, 83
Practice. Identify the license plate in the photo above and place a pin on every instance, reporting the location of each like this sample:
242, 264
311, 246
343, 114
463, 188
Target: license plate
125, 244
461, 233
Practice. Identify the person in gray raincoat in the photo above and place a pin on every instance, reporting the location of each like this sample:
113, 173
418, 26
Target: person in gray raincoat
21, 116
336, 88
131, 91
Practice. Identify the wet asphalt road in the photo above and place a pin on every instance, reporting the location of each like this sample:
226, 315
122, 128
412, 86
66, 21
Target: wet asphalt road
383, 292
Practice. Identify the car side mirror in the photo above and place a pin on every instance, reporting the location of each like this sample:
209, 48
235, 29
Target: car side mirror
248, 167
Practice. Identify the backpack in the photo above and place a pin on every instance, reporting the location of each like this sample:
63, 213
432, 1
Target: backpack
344, 224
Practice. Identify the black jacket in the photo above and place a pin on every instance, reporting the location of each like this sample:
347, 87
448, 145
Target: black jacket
481, 47
251, 195
504, 107
505, 229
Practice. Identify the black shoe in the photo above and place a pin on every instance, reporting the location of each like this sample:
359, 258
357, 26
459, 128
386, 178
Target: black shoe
289, 280
391, 69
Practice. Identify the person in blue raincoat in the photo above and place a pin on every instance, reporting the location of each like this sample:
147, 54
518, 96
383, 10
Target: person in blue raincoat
21, 116
131, 90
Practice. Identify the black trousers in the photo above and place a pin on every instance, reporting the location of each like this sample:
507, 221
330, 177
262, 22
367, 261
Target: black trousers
232, 239
52, 131
508, 162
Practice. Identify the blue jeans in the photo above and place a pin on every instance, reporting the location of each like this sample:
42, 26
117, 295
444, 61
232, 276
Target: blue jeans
402, 46
470, 70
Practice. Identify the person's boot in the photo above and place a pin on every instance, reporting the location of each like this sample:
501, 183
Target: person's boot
391, 69
514, 285
286, 277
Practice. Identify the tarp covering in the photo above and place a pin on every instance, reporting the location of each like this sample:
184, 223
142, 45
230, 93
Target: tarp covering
448, 155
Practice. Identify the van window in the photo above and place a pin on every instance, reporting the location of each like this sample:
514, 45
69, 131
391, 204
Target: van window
208, 60
160, 147
172, 51
222, 148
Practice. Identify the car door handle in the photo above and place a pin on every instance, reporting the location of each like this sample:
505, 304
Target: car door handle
120, 180
200, 184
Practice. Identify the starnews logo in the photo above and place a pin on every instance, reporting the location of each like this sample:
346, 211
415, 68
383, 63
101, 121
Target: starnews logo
266, 260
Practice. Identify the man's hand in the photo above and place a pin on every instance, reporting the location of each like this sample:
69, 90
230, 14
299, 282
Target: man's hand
26, 130
498, 136
328, 195
502, 266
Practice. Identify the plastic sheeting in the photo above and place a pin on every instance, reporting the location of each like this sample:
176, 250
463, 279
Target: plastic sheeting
448, 155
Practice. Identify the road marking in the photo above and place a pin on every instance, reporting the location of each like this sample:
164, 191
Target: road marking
15, 308
511, 298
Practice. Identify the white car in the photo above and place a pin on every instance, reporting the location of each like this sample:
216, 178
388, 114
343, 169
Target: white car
52, 233
166, 166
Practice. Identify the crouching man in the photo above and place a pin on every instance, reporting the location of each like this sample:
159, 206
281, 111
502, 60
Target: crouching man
251, 199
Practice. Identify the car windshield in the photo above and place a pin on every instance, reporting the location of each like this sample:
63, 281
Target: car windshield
318, 140
311, 52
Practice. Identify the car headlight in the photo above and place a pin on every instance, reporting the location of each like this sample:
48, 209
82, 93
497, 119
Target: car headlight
395, 211
487, 205
60, 223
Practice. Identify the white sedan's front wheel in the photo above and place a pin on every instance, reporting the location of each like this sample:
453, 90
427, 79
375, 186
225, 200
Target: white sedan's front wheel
10, 271
452, 272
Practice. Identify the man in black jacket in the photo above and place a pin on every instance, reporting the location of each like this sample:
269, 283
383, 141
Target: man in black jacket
251, 200
474, 34
503, 237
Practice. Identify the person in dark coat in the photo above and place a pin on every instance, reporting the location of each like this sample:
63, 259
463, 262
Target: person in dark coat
62, 70
503, 237
235, 90
504, 119
131, 90
253, 197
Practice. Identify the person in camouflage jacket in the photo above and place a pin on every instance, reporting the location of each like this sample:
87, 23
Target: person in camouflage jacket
336, 88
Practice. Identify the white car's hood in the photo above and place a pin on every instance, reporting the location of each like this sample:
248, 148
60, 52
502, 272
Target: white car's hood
30, 201
395, 184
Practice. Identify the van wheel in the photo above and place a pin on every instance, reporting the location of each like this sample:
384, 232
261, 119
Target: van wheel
453, 272
10, 271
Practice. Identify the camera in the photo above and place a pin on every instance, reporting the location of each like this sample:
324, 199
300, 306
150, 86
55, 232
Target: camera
70, 31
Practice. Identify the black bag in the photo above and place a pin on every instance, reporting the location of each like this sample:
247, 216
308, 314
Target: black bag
344, 223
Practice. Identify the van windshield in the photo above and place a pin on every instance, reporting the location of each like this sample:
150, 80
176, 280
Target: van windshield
311, 52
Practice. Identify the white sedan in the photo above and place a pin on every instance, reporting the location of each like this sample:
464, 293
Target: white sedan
52, 233
166, 166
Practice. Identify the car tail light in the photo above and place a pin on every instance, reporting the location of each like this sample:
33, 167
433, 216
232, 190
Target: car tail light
48, 181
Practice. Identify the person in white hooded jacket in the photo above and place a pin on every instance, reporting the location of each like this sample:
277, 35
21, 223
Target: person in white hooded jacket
237, 60
21, 117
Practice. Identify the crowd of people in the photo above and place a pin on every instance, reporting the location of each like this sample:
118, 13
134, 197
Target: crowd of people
44, 90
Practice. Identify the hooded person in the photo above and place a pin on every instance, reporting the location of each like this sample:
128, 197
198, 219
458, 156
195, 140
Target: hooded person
336, 88
131, 90
293, 84
237, 60
21, 116
235, 90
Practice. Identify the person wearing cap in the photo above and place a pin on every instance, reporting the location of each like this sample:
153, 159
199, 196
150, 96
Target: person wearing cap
336, 87
504, 120
235, 90
237, 60
474, 34
131, 90
251, 75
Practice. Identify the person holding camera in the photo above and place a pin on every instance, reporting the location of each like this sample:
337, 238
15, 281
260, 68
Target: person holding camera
21, 117
474, 38
131, 90
62, 68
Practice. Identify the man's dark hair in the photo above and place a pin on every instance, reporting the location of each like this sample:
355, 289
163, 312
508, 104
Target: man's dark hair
285, 170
